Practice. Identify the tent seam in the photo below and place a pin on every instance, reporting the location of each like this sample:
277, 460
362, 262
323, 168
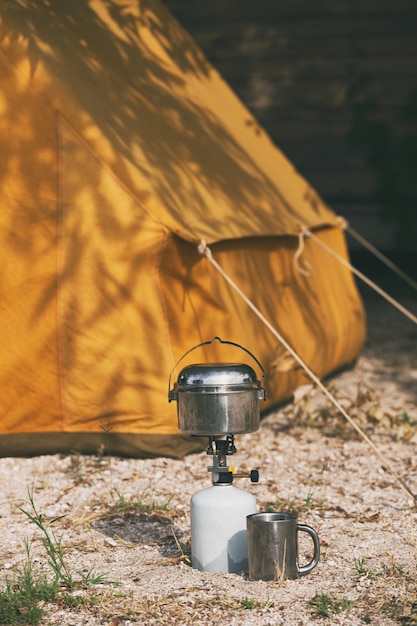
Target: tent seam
110, 171
59, 264
63, 120
168, 342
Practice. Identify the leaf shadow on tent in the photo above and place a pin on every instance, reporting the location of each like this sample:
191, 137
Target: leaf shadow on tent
132, 90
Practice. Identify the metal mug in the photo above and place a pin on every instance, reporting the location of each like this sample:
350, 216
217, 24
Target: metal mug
273, 546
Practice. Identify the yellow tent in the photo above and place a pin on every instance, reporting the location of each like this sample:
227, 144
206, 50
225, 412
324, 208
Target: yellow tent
121, 148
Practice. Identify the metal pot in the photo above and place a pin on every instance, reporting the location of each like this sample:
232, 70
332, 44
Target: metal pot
218, 398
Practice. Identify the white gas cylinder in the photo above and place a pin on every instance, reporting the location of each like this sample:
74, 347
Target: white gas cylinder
218, 528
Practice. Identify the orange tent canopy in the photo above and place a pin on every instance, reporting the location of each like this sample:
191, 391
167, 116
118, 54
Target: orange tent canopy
121, 149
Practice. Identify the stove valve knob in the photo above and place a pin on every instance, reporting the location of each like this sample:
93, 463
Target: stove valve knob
253, 475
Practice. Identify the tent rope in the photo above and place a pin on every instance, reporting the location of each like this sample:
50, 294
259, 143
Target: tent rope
307, 269
360, 275
366, 244
204, 250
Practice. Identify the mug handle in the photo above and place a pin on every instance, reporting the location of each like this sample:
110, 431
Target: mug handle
304, 569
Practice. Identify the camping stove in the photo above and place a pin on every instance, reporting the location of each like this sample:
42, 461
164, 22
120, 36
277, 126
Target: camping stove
218, 401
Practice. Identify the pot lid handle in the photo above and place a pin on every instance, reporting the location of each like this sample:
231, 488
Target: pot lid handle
171, 395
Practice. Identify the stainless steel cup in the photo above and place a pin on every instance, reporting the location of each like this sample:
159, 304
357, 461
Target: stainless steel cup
273, 546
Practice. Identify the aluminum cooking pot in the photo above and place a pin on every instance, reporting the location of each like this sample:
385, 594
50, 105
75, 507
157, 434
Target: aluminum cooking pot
217, 398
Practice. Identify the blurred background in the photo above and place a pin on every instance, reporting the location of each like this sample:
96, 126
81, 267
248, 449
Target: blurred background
335, 86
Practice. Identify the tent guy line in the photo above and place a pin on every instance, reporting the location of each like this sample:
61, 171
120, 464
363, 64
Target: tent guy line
366, 244
307, 269
359, 274
204, 250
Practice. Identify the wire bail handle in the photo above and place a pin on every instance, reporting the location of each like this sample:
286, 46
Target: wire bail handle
206, 343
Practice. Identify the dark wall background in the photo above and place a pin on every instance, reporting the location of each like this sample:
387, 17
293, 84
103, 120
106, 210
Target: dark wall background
334, 83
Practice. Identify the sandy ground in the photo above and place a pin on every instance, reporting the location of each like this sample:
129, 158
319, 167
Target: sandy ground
126, 522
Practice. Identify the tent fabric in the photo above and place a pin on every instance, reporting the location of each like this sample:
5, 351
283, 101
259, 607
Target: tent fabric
121, 149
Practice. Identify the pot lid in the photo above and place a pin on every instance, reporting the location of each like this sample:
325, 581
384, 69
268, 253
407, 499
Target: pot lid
214, 374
